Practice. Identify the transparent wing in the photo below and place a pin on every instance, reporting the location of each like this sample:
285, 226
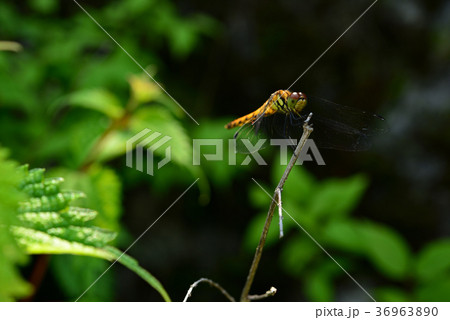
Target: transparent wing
340, 127
249, 138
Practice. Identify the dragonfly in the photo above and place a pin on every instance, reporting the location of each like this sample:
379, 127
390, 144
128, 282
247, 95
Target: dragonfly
282, 117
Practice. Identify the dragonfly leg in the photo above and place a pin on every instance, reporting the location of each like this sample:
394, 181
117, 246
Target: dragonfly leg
308, 119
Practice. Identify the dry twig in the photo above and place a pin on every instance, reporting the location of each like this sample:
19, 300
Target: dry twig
276, 200
213, 284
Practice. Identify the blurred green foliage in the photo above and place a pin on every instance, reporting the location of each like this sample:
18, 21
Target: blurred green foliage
11, 255
66, 101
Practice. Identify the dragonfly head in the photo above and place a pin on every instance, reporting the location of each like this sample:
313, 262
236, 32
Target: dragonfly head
297, 101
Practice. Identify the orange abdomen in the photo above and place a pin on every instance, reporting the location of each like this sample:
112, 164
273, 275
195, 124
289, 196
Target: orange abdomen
268, 108
243, 120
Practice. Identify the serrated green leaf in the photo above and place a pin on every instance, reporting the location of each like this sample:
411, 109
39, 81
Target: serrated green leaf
91, 236
33, 176
433, 261
42, 220
103, 191
48, 187
55, 202
46, 220
39, 242
77, 216
50, 226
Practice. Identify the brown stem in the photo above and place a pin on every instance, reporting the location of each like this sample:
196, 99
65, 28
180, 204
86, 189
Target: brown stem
37, 275
269, 293
213, 284
307, 129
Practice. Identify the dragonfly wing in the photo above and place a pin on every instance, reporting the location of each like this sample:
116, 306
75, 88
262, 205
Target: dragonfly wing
334, 137
341, 127
251, 134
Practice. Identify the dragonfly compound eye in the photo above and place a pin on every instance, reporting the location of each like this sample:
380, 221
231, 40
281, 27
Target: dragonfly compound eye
295, 95
298, 96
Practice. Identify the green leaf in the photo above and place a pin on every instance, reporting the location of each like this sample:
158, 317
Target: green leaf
47, 187
40, 242
133, 265
46, 220
103, 191
386, 249
160, 121
337, 197
319, 281
343, 234
258, 197
44, 6
106, 196
75, 274
143, 89
392, 294
114, 146
300, 184
50, 226
11, 255
95, 99
51, 202
435, 290
297, 253
433, 261
71, 142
